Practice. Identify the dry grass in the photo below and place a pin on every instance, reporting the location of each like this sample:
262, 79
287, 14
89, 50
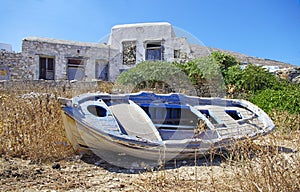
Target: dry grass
30, 120
270, 163
31, 128
263, 165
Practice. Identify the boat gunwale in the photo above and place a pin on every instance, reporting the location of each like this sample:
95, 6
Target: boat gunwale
116, 136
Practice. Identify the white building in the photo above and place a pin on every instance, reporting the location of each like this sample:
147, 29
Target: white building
128, 45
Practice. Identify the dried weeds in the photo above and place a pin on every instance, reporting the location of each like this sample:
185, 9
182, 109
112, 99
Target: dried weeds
32, 139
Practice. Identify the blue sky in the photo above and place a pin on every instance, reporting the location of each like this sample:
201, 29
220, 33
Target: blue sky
262, 28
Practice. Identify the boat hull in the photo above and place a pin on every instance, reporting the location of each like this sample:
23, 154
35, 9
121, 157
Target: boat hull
84, 139
92, 125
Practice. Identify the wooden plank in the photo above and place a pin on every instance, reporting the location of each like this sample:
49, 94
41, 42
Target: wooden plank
135, 121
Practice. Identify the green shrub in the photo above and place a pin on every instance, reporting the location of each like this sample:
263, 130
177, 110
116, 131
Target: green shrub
256, 78
201, 69
224, 61
150, 74
234, 76
251, 79
285, 99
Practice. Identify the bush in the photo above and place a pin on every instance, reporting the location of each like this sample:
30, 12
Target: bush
257, 78
224, 61
286, 99
200, 70
234, 76
251, 79
149, 74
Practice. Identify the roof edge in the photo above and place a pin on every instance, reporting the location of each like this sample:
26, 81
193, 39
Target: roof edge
141, 25
67, 42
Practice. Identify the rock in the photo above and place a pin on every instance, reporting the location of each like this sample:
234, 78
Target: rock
90, 175
116, 179
7, 173
289, 74
56, 166
296, 80
38, 171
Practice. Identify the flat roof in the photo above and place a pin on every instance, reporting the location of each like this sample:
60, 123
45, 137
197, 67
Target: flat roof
142, 25
65, 42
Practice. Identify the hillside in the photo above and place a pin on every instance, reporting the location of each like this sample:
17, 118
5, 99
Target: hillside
199, 51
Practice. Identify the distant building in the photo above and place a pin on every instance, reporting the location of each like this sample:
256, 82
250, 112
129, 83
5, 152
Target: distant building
5, 47
271, 69
128, 45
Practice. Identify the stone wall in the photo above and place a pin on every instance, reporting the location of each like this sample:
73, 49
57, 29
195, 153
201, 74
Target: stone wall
61, 51
20, 66
63, 87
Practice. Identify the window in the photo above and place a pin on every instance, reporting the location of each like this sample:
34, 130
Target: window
101, 70
129, 52
75, 69
176, 54
46, 68
154, 51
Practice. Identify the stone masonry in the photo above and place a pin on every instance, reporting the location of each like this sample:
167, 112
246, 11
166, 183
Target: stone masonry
61, 51
19, 66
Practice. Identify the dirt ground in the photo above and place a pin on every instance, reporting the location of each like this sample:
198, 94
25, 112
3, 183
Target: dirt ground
90, 173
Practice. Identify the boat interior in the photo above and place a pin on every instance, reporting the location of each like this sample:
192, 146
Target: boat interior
173, 118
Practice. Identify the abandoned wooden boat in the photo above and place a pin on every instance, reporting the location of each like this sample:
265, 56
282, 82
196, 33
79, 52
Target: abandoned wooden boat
159, 126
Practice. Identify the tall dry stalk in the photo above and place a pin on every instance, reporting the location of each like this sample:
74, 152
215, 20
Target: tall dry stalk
30, 120
32, 127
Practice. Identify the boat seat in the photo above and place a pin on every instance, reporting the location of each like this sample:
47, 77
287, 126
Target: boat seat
135, 121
